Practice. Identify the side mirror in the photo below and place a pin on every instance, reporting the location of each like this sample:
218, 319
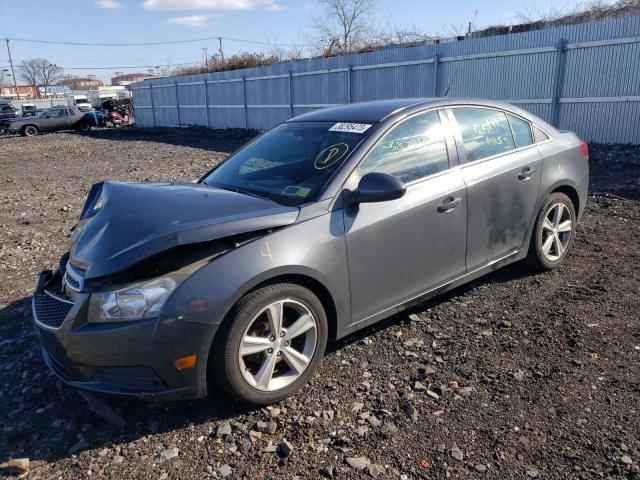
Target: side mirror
378, 187
47, 116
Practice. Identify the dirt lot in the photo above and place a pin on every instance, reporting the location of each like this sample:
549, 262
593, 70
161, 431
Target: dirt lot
518, 375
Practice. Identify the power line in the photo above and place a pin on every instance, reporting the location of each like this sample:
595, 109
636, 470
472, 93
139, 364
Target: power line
168, 42
156, 65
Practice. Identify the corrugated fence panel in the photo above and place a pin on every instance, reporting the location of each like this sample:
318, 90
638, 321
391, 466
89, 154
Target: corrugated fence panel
581, 77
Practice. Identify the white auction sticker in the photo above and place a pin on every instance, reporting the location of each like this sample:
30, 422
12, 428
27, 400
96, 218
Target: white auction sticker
350, 127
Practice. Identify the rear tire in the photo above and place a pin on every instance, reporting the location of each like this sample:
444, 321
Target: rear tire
553, 234
270, 345
84, 127
29, 131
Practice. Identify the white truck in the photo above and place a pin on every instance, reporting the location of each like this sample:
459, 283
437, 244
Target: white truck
79, 101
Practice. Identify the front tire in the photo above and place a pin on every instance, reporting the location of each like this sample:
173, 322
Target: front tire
271, 345
84, 127
553, 234
29, 131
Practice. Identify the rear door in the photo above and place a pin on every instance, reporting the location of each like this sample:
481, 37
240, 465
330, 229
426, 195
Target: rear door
501, 169
402, 248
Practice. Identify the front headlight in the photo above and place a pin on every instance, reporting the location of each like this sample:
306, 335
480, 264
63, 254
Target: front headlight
134, 303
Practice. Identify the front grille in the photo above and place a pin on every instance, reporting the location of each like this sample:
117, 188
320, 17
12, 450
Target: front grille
50, 311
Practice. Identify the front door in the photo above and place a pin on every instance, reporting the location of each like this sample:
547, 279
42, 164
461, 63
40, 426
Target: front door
56, 119
402, 248
501, 169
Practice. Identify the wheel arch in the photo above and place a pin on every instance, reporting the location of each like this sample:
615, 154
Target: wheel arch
316, 286
570, 192
566, 187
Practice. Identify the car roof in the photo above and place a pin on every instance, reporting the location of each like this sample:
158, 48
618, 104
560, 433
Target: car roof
369, 112
379, 110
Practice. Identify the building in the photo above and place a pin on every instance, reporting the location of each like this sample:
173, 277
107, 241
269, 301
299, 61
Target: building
89, 83
24, 92
53, 91
127, 78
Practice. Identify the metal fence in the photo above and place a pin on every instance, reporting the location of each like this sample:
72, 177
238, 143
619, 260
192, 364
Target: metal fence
584, 78
40, 103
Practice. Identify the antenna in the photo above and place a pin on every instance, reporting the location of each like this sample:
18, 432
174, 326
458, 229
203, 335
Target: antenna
453, 79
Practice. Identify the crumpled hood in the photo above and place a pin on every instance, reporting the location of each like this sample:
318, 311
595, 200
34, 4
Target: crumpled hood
124, 223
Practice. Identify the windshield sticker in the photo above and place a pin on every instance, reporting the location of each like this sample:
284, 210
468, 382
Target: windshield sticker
331, 155
350, 127
296, 191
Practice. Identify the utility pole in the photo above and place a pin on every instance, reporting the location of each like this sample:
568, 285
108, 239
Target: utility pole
221, 50
206, 58
13, 72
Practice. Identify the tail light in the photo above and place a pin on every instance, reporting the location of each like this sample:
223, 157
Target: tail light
584, 149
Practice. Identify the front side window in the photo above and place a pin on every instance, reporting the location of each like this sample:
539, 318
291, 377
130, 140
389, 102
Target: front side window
521, 131
291, 163
413, 150
484, 132
58, 113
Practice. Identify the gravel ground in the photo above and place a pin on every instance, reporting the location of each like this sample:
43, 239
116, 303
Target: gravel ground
517, 375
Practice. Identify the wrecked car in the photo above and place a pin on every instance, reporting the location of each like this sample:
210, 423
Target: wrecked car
322, 226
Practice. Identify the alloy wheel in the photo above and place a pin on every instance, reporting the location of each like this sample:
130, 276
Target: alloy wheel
557, 229
278, 345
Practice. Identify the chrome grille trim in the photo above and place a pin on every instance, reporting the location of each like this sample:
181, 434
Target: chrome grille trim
72, 279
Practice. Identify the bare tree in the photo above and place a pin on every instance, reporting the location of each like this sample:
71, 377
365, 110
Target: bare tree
347, 24
49, 73
397, 34
39, 71
28, 72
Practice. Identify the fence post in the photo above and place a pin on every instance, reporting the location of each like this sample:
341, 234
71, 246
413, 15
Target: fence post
206, 101
175, 84
349, 70
436, 61
244, 100
290, 95
153, 108
558, 81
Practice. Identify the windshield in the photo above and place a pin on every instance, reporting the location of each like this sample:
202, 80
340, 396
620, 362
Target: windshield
82, 101
44, 113
291, 163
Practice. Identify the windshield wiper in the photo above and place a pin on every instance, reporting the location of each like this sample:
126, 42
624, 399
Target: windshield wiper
240, 190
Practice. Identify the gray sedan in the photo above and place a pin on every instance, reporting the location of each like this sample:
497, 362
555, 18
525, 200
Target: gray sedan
52, 120
318, 228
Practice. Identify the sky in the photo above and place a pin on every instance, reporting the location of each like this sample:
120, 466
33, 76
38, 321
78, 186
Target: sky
271, 21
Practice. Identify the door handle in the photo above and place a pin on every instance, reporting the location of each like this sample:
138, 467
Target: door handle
526, 173
449, 204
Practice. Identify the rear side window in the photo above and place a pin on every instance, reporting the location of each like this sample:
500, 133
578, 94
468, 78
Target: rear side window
410, 151
484, 132
521, 131
539, 135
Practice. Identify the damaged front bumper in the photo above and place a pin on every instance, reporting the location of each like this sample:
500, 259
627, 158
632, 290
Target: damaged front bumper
129, 358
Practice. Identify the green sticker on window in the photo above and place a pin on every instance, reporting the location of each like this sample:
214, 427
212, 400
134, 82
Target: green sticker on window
296, 191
